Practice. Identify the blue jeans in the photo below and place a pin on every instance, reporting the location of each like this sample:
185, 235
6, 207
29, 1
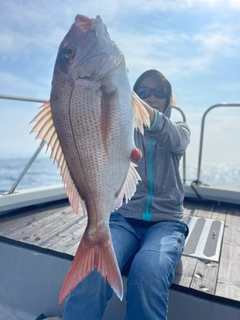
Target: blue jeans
149, 256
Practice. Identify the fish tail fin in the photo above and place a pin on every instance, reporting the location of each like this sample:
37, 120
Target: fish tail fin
89, 256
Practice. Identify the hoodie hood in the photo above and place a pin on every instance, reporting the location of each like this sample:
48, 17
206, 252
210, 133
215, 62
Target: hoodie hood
168, 111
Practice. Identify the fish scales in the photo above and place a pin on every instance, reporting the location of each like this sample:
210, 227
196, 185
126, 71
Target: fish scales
88, 163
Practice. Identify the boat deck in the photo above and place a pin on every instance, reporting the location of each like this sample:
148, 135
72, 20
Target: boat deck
54, 228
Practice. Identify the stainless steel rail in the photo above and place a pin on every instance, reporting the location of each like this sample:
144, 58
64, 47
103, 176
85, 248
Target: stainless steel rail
184, 155
42, 144
19, 179
36, 153
21, 99
198, 182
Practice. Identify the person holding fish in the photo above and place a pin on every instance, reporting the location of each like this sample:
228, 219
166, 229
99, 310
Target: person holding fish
112, 143
148, 233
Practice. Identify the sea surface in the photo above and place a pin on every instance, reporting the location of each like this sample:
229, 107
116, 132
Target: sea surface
44, 173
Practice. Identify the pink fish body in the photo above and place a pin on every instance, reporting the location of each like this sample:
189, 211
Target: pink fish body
89, 124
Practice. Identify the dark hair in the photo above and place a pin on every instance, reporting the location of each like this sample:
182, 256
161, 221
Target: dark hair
159, 77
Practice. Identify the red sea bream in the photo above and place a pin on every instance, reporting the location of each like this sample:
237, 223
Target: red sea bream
89, 125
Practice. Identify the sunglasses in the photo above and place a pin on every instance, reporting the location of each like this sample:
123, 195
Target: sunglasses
145, 92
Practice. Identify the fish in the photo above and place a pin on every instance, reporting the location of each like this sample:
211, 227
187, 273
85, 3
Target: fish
89, 124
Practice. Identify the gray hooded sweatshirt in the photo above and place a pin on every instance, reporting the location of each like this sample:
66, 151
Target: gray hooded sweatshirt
159, 195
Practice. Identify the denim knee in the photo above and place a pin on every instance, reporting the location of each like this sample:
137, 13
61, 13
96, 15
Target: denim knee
151, 269
148, 284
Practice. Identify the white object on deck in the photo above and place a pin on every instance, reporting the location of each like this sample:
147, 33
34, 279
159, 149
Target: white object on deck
28, 197
204, 239
215, 193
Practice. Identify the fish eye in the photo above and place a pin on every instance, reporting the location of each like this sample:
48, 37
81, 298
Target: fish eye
69, 52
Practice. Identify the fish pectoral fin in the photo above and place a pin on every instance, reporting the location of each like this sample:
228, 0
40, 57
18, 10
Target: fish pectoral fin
89, 256
129, 187
141, 116
46, 131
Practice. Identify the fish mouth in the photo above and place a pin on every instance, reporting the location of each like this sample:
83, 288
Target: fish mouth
85, 23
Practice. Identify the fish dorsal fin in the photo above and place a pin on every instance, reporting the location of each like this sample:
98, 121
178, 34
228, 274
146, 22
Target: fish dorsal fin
141, 116
129, 187
47, 132
84, 22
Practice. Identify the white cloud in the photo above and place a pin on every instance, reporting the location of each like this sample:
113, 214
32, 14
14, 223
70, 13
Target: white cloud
119, 6
15, 128
177, 53
7, 43
16, 43
8, 79
166, 5
219, 39
19, 86
235, 4
209, 3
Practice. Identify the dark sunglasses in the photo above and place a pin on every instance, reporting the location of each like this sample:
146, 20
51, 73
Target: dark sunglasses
145, 92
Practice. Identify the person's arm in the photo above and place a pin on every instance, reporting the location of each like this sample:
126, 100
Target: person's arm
174, 136
171, 135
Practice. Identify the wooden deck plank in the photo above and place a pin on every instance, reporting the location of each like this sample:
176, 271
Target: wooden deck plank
72, 250
68, 242
228, 284
54, 221
205, 210
28, 216
57, 237
205, 277
219, 212
50, 231
185, 270
191, 208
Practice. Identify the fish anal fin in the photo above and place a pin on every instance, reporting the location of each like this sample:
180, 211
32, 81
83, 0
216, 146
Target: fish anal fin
129, 187
141, 116
88, 257
46, 131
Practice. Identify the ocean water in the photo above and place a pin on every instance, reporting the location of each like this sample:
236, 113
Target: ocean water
44, 173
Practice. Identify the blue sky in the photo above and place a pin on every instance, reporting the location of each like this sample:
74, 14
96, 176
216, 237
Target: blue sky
194, 43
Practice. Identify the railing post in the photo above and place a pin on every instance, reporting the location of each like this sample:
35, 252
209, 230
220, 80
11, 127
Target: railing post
38, 149
42, 144
198, 182
184, 155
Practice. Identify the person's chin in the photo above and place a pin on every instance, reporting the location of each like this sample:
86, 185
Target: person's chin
156, 108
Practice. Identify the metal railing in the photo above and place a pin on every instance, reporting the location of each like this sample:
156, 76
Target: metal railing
184, 155
42, 144
21, 99
25, 170
198, 182
36, 153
